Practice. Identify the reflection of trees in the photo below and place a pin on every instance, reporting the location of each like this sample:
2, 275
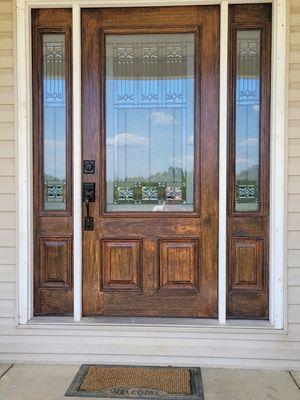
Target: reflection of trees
172, 174
251, 173
49, 177
172, 177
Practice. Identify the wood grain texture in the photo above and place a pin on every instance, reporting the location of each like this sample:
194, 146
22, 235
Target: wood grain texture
248, 232
55, 262
247, 264
195, 233
53, 230
121, 265
178, 264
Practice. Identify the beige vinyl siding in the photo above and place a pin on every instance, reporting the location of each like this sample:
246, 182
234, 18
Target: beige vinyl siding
293, 296
208, 346
7, 168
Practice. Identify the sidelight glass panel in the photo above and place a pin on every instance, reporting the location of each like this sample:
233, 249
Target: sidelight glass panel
150, 122
54, 116
247, 120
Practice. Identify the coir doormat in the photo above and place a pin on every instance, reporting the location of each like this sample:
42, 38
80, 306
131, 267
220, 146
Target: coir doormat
132, 382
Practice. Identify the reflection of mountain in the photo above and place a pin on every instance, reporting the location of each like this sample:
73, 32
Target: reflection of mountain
251, 173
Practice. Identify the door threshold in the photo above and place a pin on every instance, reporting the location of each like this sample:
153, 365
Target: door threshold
146, 321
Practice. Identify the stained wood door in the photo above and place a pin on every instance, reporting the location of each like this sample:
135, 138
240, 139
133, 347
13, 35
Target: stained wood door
150, 102
249, 161
52, 161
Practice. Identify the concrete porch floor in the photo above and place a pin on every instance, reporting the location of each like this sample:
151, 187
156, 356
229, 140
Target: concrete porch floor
50, 382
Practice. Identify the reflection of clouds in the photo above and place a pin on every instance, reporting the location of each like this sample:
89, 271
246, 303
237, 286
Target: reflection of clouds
55, 158
248, 142
161, 118
190, 139
189, 159
128, 139
246, 161
255, 108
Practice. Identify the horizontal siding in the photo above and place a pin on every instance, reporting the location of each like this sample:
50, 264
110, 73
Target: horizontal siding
6, 59
293, 220
294, 184
294, 314
7, 202
6, 23
7, 149
7, 290
7, 131
7, 273
8, 237
7, 308
294, 258
7, 95
294, 277
293, 293
7, 220
7, 112
7, 255
6, 7
7, 184
7, 168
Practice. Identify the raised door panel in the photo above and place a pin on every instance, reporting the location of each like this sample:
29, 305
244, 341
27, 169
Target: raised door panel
121, 264
55, 259
247, 264
178, 264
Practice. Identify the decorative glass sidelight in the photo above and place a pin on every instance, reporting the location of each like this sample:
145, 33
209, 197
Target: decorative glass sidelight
247, 120
150, 122
54, 114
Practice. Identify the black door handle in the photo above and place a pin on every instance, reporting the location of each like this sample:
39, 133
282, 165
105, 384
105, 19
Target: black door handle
88, 197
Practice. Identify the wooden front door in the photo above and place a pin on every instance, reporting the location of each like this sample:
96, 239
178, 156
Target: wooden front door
150, 79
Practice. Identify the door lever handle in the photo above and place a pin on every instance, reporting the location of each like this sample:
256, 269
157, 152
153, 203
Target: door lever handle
87, 206
88, 197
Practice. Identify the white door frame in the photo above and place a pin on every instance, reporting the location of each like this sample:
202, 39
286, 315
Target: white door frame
278, 304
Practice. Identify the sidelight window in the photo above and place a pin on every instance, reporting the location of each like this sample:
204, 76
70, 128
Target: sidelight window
247, 119
54, 112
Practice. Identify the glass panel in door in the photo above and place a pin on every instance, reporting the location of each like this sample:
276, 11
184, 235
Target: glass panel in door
55, 128
247, 119
150, 122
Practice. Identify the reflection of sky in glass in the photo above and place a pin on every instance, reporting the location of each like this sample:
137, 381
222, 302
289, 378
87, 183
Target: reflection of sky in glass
149, 139
55, 138
54, 107
137, 137
247, 133
150, 111
54, 121
247, 119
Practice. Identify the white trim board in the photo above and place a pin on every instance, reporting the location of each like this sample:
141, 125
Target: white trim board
24, 138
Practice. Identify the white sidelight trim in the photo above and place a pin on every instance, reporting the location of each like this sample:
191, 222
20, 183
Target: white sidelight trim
223, 161
24, 153
24, 165
278, 168
77, 235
